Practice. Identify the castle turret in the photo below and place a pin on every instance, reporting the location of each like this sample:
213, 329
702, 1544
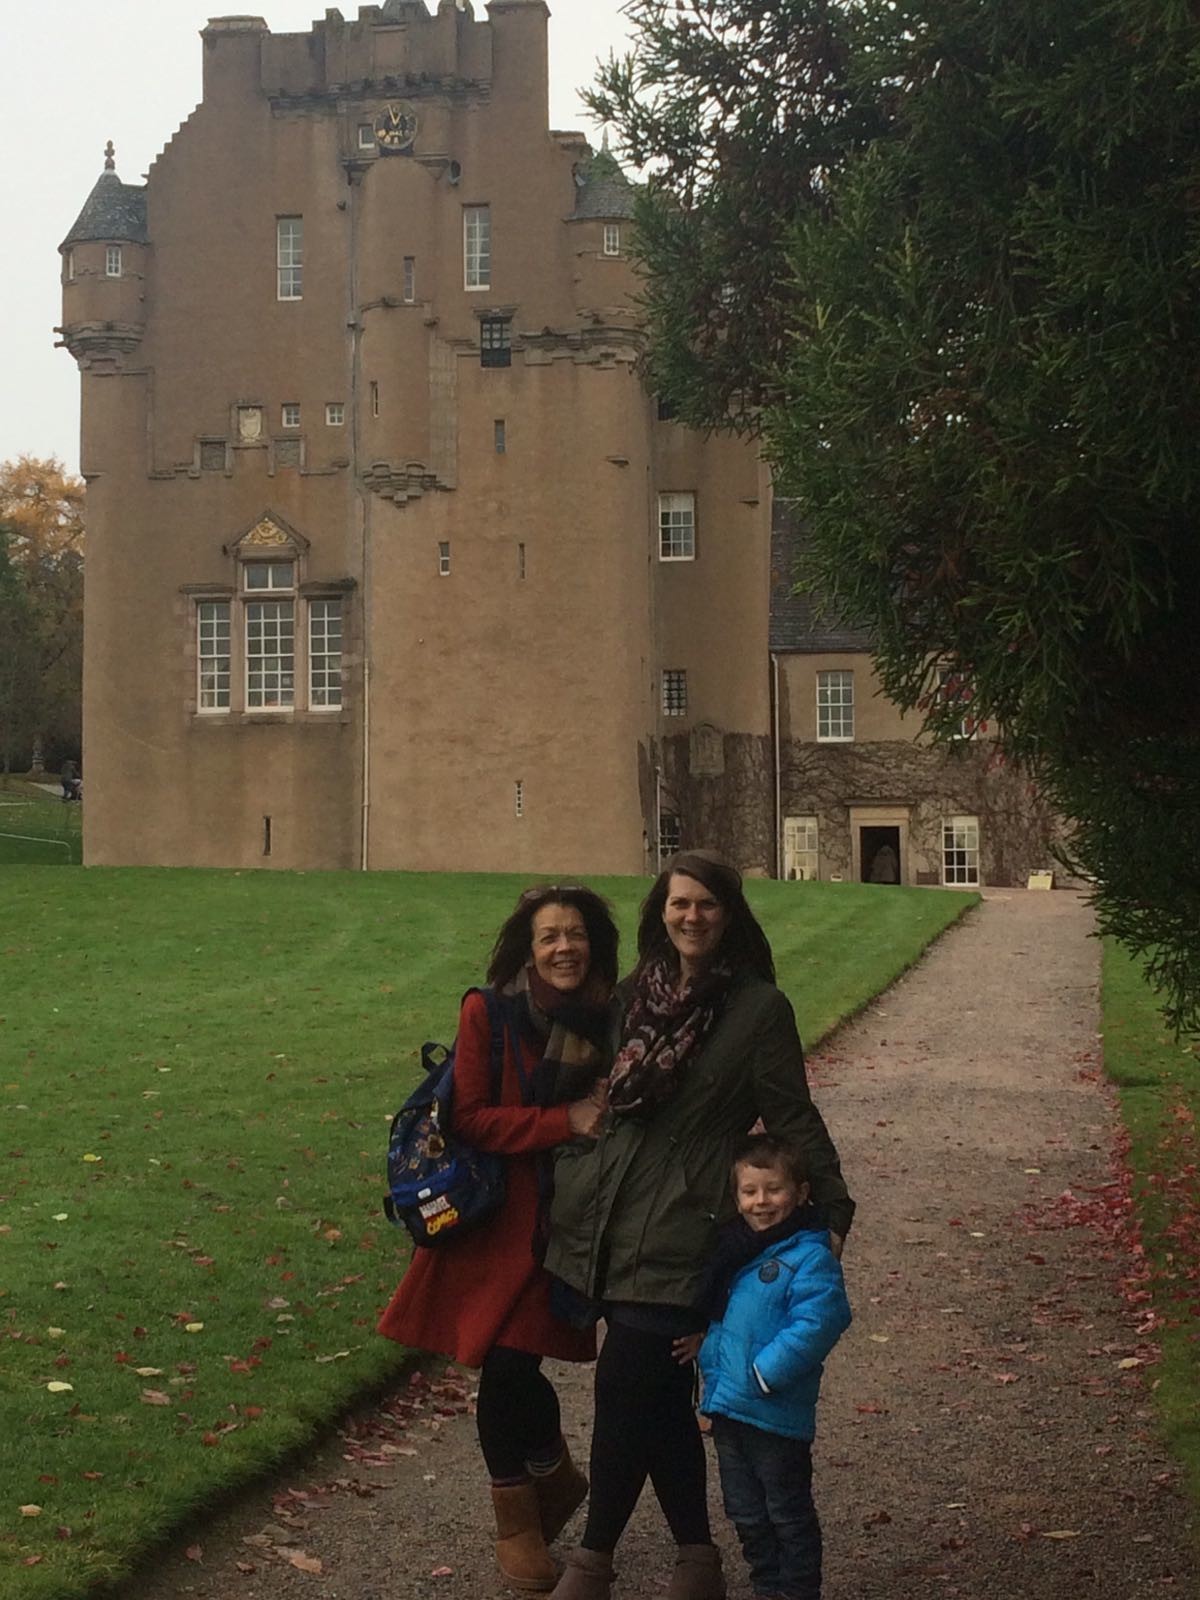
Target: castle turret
104, 271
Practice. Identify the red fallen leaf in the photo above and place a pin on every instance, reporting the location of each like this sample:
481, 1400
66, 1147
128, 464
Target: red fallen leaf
872, 1408
32, 1561
442, 1572
252, 1413
47, 1477
305, 1563
122, 1358
1004, 1377
155, 1397
92, 1477
203, 1261
62, 1531
211, 1438
194, 1552
139, 1333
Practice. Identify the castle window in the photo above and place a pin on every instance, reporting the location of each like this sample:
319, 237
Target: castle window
335, 414
70, 266
670, 833
835, 706
518, 799
477, 247
521, 560
960, 851
495, 342
112, 261
212, 655
677, 527
325, 654
674, 692
800, 854
366, 136
289, 258
500, 436
443, 558
374, 399
290, 415
612, 239
410, 279
213, 455
258, 575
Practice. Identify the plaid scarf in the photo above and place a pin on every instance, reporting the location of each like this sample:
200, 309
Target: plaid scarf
663, 1027
575, 1029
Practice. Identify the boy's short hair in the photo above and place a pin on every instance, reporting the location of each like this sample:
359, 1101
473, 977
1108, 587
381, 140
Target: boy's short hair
765, 1150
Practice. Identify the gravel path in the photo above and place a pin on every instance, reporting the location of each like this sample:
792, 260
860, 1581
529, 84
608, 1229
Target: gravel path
986, 1431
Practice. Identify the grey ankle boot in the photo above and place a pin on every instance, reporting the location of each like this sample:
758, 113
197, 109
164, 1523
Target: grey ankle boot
588, 1575
697, 1574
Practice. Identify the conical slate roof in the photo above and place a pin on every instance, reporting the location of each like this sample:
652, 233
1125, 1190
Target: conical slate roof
114, 210
604, 190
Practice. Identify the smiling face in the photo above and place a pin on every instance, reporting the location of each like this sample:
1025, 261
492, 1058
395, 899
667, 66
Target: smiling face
695, 921
560, 946
766, 1195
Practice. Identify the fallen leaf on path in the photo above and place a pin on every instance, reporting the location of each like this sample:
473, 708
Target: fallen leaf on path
305, 1563
31, 1511
1062, 1533
442, 1572
194, 1552
154, 1397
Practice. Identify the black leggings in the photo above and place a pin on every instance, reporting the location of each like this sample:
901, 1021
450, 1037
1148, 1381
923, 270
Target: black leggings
516, 1413
645, 1427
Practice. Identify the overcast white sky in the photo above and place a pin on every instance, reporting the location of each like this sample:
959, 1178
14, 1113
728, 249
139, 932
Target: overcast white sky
75, 73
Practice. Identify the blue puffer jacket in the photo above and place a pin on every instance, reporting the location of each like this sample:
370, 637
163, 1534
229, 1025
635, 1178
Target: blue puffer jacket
761, 1363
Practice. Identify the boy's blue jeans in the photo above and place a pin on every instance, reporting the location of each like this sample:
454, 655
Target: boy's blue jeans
766, 1481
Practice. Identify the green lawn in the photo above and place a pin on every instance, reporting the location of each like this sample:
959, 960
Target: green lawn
196, 1075
1158, 1080
37, 827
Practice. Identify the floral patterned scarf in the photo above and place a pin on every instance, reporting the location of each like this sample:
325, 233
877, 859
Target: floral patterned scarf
663, 1027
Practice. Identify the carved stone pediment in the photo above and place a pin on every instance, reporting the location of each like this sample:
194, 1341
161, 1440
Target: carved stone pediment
269, 532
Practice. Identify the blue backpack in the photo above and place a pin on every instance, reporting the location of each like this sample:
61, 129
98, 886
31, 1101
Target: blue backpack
439, 1187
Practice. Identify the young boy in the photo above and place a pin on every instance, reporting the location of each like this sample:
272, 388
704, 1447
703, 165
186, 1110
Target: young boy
777, 1304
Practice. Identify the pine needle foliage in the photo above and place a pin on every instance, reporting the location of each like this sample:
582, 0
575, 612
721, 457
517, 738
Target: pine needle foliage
941, 255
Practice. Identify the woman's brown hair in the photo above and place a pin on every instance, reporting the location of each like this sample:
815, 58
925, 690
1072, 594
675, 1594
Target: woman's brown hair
515, 939
743, 945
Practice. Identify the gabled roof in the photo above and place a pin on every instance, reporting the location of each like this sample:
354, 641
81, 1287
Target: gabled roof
603, 190
801, 622
114, 210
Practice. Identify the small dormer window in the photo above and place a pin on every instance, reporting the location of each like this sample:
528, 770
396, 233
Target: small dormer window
612, 239
112, 261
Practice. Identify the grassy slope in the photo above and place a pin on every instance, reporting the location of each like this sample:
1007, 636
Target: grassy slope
231, 1045
36, 827
1158, 1081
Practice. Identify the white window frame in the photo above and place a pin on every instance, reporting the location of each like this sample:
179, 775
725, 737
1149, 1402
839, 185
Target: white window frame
324, 654
113, 261
279, 576
477, 247
960, 852
677, 526
835, 707
335, 413
410, 280
443, 558
518, 798
674, 696
612, 239
70, 266
801, 848
289, 258
214, 676
366, 136
289, 414
670, 834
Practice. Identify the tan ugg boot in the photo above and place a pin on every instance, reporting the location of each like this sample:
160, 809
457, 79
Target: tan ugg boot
560, 1493
588, 1575
697, 1574
521, 1552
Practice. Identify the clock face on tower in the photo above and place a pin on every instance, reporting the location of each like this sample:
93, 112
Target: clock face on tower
396, 126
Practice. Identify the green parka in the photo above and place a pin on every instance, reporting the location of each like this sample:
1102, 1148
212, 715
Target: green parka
635, 1213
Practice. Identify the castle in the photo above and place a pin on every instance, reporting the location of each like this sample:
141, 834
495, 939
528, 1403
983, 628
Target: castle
392, 560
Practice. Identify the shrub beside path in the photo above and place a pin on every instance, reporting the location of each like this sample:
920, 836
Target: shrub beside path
986, 1431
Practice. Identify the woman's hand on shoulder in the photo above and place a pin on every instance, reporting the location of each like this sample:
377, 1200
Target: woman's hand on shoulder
586, 1117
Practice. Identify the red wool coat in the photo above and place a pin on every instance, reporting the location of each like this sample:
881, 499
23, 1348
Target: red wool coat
487, 1288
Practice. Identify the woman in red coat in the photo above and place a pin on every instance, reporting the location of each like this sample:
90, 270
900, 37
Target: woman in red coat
484, 1300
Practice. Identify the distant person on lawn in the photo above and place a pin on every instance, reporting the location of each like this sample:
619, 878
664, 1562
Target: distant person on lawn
484, 1300
775, 1298
68, 776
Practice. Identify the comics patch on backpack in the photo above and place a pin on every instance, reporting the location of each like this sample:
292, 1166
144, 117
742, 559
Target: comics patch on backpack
439, 1186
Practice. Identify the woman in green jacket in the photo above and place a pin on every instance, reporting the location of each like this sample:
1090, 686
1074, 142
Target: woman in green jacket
708, 1046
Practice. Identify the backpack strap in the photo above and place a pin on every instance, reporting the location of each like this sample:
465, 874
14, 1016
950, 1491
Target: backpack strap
502, 1024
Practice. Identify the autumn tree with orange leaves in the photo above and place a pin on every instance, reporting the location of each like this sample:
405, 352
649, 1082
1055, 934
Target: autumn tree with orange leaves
41, 610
